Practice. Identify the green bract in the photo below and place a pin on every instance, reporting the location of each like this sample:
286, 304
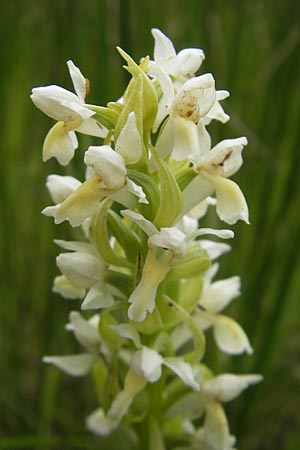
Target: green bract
142, 264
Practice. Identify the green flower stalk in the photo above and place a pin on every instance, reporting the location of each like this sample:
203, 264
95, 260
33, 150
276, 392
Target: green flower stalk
143, 271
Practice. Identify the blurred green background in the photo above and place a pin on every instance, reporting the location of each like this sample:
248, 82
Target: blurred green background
253, 49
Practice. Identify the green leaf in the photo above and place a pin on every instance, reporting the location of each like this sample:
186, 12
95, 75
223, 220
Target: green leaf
170, 195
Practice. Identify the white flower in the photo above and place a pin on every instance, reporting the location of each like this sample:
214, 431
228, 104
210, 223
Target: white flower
82, 270
178, 66
229, 336
227, 386
71, 113
108, 177
86, 332
214, 167
145, 367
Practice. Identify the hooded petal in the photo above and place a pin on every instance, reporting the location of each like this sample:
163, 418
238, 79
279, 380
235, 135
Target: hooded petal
225, 158
195, 98
82, 269
52, 100
60, 143
230, 337
108, 164
188, 61
60, 187
170, 239
147, 363
75, 365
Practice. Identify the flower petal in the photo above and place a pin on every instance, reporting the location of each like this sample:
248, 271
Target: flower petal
98, 423
85, 332
163, 46
147, 363
67, 289
91, 127
220, 293
196, 191
75, 365
79, 81
136, 190
226, 387
186, 138
183, 370
129, 143
98, 297
214, 249
83, 269
231, 203
140, 220
81, 203
225, 158
188, 61
60, 143
167, 96
60, 187
108, 164
50, 99
230, 337
170, 239
127, 331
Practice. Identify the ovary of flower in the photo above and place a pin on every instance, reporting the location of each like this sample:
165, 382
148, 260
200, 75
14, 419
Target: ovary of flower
214, 167
229, 336
178, 66
71, 114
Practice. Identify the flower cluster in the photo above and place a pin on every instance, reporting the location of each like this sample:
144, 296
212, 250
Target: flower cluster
143, 271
